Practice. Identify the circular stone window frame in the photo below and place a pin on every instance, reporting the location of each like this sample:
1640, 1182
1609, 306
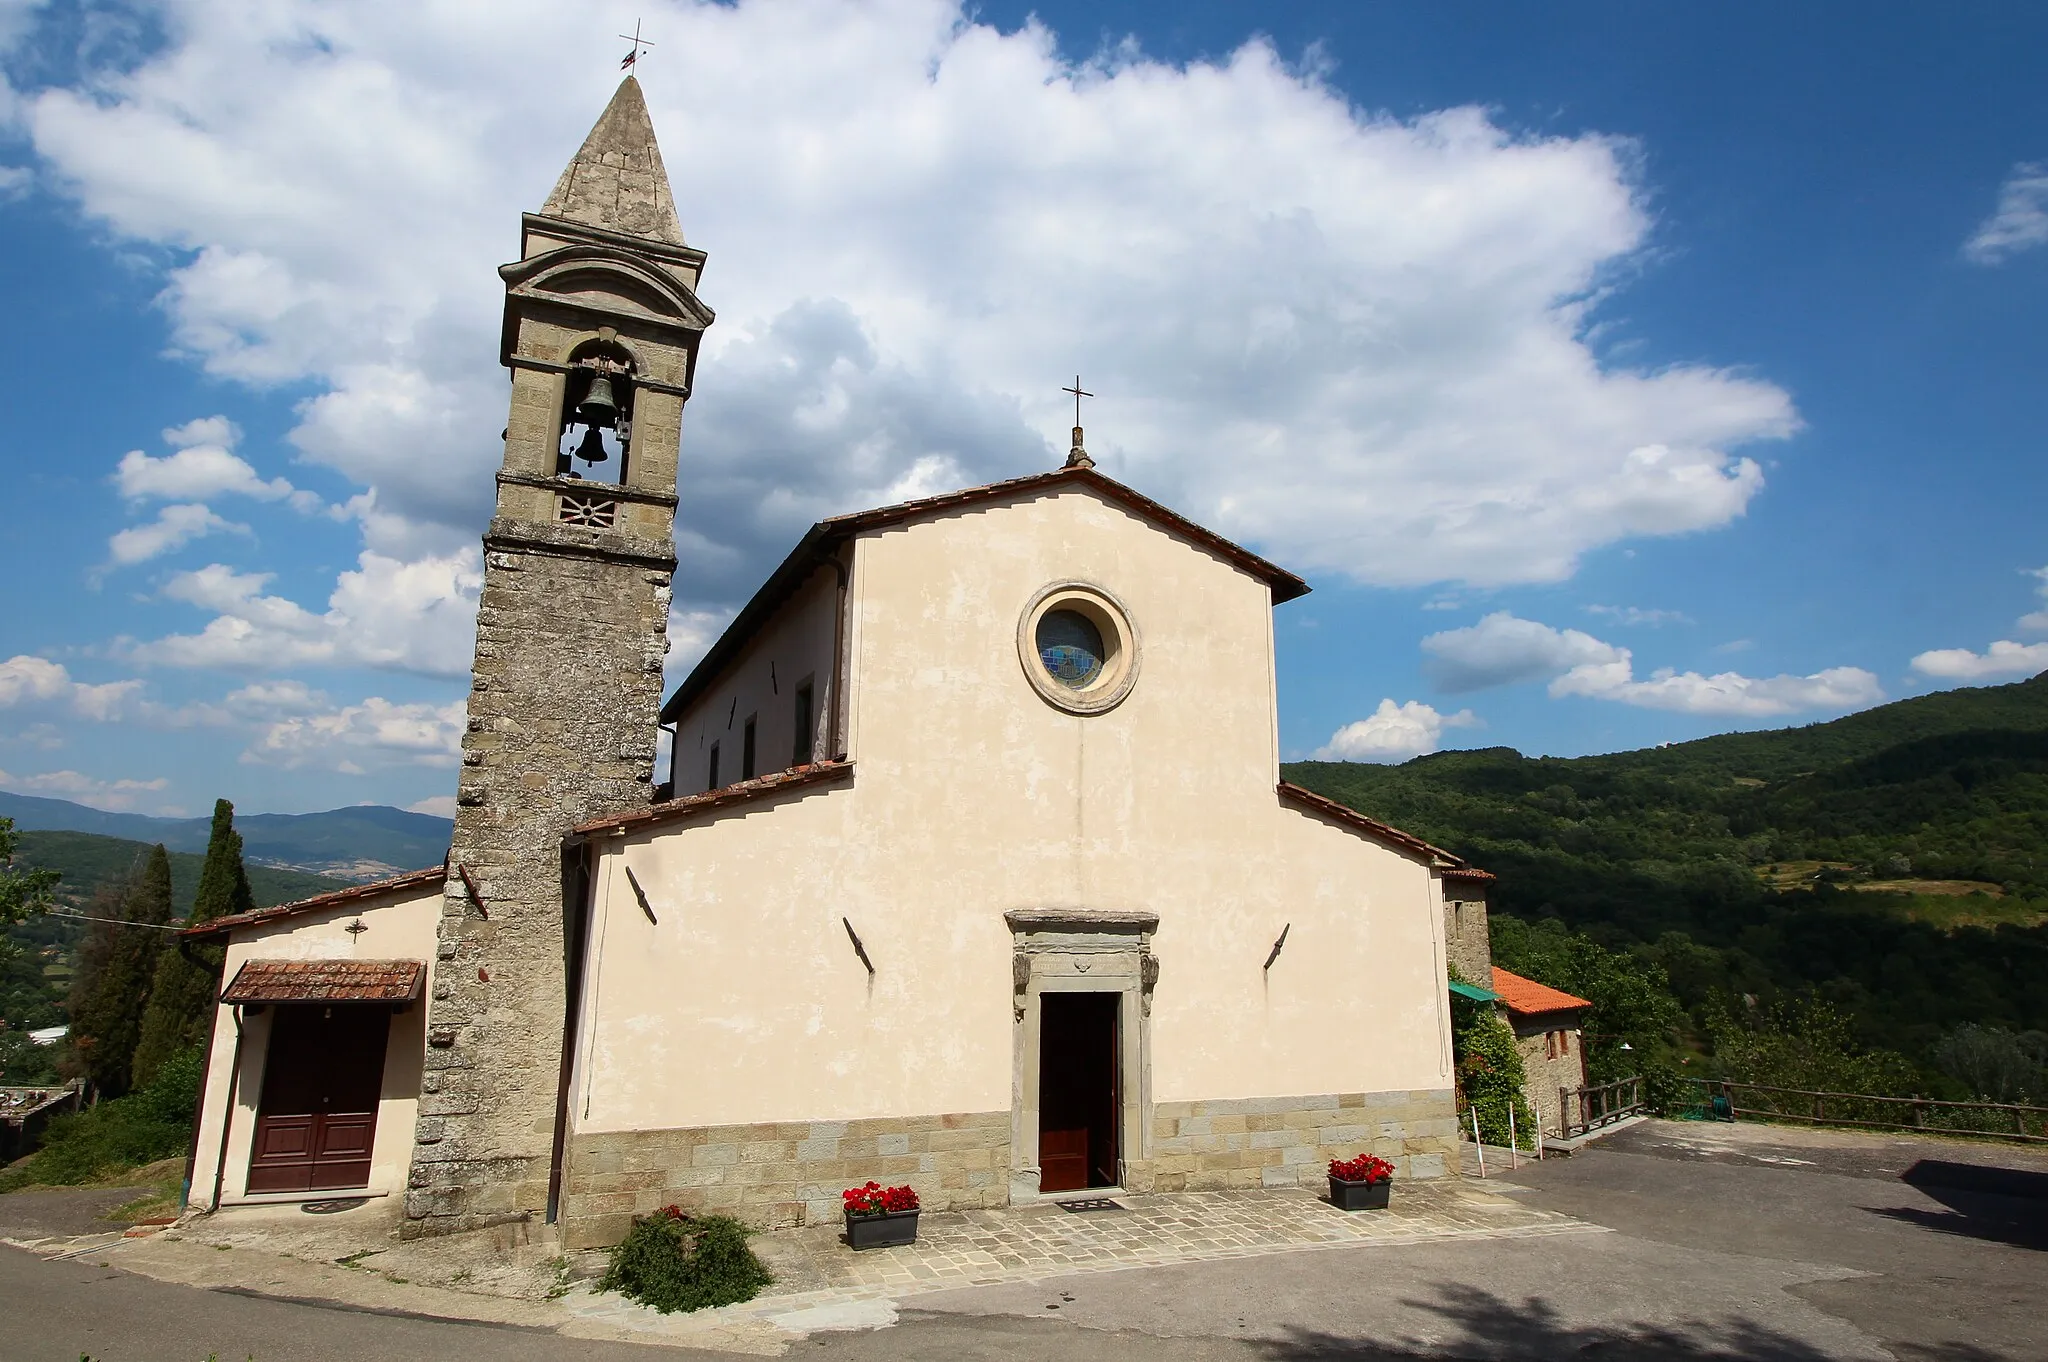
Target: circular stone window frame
1100, 607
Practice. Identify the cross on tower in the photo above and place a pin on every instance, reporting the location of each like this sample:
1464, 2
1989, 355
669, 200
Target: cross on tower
634, 56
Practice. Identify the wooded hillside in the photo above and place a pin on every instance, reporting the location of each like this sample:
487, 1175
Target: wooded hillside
1894, 862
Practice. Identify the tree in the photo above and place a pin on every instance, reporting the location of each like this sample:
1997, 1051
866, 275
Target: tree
181, 1002
23, 893
121, 957
1633, 1004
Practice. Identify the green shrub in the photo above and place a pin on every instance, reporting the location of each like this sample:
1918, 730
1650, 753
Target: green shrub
672, 1262
117, 1135
1491, 1077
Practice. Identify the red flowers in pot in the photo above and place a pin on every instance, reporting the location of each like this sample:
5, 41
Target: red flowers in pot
1366, 1168
875, 1199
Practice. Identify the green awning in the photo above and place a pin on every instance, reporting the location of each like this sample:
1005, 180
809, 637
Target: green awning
1475, 993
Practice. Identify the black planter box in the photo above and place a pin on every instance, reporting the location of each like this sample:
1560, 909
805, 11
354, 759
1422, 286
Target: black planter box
1360, 1196
890, 1229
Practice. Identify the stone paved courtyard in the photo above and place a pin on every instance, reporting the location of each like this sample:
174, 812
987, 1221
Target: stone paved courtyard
820, 1283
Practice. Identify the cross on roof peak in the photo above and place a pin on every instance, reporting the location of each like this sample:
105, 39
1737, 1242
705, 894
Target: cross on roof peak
1077, 457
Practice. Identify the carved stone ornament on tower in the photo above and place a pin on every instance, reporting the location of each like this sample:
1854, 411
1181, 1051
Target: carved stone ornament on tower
602, 326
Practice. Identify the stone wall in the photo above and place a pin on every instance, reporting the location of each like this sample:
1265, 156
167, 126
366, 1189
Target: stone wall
791, 1173
1468, 944
1545, 1074
1289, 1141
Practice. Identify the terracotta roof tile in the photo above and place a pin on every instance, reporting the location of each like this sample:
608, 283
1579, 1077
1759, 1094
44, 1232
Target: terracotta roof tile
417, 879
1371, 827
326, 981
1527, 996
739, 792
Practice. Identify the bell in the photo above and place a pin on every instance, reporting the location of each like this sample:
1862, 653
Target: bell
597, 407
592, 448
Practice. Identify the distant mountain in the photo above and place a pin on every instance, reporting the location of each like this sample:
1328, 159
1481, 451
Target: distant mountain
366, 842
87, 860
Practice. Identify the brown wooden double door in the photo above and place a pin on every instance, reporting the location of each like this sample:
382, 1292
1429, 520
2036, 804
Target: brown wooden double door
1078, 1097
317, 1120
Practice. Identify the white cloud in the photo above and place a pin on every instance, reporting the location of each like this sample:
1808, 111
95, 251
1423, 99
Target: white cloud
1629, 614
1502, 649
374, 730
441, 806
407, 616
118, 795
204, 465
2002, 661
1724, 693
26, 680
1362, 343
174, 527
2019, 223
1393, 733
2036, 622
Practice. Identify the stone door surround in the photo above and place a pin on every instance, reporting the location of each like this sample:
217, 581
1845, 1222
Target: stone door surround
1081, 950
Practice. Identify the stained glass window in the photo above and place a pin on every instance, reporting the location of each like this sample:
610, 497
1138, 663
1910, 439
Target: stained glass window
1070, 646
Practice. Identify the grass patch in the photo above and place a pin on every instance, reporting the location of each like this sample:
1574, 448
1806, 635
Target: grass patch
155, 1204
1949, 911
673, 1262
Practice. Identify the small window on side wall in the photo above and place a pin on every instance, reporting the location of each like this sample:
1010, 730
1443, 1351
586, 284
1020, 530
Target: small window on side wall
711, 774
747, 750
802, 751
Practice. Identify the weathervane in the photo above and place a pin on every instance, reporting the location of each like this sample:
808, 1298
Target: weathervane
1077, 457
634, 56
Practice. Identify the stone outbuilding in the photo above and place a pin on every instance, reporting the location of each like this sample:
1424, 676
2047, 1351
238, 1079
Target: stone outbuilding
1546, 1022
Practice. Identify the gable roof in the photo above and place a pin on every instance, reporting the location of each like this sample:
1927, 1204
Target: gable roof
825, 538
1527, 996
739, 792
256, 917
1372, 827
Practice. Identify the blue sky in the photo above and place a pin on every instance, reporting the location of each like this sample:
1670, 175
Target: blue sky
1618, 375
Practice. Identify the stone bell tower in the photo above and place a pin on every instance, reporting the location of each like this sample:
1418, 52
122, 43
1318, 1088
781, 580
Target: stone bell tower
602, 326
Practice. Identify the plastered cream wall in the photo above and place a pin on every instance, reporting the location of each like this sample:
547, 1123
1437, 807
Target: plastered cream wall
795, 647
736, 996
400, 926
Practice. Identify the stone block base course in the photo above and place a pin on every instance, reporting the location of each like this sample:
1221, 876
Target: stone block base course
1289, 1141
780, 1175
786, 1174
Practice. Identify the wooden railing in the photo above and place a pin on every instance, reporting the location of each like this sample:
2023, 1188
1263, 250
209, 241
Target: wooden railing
1999, 1120
1598, 1106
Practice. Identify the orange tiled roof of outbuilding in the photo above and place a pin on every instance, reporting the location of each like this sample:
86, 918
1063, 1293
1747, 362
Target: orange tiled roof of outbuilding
1526, 995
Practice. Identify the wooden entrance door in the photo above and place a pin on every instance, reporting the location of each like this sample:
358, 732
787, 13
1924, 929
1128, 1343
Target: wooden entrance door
317, 1118
1078, 1098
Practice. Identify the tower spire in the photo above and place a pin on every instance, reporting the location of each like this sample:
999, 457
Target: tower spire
617, 181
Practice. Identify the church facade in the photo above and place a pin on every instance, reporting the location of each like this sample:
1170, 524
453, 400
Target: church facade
970, 866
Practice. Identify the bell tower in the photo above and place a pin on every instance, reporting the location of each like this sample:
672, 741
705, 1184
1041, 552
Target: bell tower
602, 325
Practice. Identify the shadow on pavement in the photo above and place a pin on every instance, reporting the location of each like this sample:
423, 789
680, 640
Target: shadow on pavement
1495, 1328
2001, 1205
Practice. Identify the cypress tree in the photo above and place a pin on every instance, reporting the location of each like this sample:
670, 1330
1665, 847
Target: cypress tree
181, 1002
120, 962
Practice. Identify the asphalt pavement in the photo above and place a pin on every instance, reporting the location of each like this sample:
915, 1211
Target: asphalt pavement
1750, 1242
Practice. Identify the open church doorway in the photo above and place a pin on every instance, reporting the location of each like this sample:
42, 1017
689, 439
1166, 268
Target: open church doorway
316, 1121
1079, 1061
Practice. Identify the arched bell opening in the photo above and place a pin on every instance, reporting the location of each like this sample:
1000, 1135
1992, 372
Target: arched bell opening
595, 439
